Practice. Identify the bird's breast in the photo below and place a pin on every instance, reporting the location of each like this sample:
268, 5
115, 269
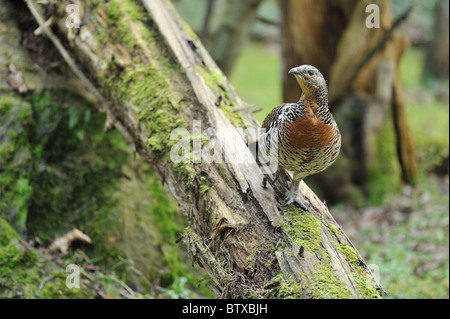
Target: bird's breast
309, 131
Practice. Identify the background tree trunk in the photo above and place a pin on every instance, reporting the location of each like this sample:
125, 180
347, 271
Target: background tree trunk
229, 38
437, 55
205, 31
310, 33
155, 77
360, 64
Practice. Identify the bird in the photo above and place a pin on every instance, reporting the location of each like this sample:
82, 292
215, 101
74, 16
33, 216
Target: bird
304, 137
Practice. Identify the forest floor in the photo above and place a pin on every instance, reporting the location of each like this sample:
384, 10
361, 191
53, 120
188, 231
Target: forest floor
406, 238
406, 241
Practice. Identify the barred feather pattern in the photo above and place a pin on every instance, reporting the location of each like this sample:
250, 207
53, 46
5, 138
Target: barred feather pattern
302, 137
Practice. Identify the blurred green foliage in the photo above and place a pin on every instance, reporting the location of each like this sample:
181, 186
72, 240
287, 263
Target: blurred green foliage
257, 77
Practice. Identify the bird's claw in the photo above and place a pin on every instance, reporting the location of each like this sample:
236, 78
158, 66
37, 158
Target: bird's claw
292, 198
299, 204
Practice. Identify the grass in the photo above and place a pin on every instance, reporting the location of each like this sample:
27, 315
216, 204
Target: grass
430, 127
256, 76
412, 76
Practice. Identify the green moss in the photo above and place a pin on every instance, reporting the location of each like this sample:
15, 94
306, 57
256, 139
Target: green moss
169, 221
186, 173
251, 258
144, 85
325, 285
122, 14
146, 89
328, 285
303, 229
79, 165
188, 28
281, 288
56, 288
7, 233
384, 170
366, 283
349, 253
234, 117
366, 286
19, 273
204, 189
215, 80
335, 230
16, 162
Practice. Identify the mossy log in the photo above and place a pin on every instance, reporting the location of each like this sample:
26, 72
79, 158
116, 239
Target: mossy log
60, 171
152, 76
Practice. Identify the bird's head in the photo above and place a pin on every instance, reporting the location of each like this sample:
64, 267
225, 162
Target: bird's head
310, 80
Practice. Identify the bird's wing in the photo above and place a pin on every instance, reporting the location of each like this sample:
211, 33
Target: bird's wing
273, 116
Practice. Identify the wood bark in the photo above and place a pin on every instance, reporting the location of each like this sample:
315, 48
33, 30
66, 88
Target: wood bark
405, 146
155, 76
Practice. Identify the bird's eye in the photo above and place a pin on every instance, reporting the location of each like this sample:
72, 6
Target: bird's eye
311, 73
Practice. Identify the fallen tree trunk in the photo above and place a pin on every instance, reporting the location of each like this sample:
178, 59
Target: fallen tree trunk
157, 83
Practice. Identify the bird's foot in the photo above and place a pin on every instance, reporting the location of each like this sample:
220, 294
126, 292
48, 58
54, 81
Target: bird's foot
283, 177
280, 176
303, 205
293, 196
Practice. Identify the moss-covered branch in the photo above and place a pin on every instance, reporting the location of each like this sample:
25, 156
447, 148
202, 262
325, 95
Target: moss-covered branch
59, 170
156, 77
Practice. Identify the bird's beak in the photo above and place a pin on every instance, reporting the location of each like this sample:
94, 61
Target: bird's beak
294, 71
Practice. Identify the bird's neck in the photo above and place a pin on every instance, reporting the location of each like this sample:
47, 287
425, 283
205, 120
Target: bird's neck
322, 97
317, 97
